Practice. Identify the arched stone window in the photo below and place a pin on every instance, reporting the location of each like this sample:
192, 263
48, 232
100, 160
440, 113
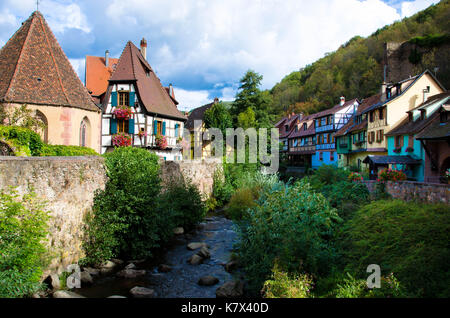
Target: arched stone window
43, 131
85, 132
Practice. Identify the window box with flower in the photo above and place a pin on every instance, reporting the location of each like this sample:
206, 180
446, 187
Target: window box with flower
161, 142
409, 149
398, 150
123, 112
122, 140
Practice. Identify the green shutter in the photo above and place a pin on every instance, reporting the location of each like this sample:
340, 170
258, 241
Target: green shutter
155, 127
164, 128
114, 99
132, 98
113, 126
131, 126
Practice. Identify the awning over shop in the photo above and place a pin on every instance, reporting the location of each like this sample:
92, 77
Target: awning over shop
386, 160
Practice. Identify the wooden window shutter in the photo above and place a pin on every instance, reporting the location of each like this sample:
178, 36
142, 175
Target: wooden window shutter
177, 128
132, 98
155, 127
113, 126
114, 99
131, 126
164, 128
381, 135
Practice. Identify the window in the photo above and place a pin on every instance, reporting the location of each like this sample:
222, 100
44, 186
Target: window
124, 98
295, 142
321, 156
398, 141
423, 114
305, 126
159, 129
85, 132
325, 138
177, 130
286, 128
122, 125
443, 117
371, 117
381, 113
332, 156
411, 141
296, 128
43, 131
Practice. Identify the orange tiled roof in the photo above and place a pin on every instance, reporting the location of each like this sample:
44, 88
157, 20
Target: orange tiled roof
98, 74
35, 70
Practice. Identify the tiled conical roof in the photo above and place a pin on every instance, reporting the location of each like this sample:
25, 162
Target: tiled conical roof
35, 70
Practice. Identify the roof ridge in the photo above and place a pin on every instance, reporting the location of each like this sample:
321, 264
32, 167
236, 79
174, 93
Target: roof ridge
54, 61
20, 54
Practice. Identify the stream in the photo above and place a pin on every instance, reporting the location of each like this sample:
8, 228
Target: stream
182, 281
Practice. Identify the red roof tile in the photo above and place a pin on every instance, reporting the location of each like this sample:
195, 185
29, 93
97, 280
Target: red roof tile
132, 66
35, 70
98, 74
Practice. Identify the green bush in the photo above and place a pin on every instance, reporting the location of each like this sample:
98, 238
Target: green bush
182, 202
126, 221
62, 150
222, 189
240, 202
404, 238
327, 175
346, 196
283, 285
26, 141
350, 287
292, 224
23, 254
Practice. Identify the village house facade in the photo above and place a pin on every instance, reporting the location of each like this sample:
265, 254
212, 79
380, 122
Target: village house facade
138, 110
395, 102
326, 124
35, 71
302, 142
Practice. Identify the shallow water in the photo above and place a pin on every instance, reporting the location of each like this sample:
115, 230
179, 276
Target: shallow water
181, 281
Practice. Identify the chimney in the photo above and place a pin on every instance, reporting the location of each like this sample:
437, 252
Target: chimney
216, 100
171, 90
425, 92
383, 91
107, 58
342, 101
144, 48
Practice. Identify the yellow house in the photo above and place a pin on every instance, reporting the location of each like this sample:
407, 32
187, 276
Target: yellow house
197, 131
396, 99
35, 71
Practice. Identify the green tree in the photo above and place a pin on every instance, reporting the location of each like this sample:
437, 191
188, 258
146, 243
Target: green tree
219, 117
247, 119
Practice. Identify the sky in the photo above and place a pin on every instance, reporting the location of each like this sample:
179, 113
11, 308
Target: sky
204, 47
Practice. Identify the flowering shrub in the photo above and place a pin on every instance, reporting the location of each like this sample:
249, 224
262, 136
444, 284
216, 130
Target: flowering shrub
355, 176
409, 149
161, 142
123, 112
142, 133
121, 140
391, 175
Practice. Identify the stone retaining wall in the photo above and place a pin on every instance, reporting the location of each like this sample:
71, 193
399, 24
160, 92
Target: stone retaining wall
68, 185
415, 191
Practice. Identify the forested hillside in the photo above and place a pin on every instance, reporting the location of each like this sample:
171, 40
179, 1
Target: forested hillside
356, 68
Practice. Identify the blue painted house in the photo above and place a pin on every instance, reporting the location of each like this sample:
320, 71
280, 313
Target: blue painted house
402, 142
326, 124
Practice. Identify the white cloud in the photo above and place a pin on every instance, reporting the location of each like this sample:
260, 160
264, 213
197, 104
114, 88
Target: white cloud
79, 67
410, 8
191, 99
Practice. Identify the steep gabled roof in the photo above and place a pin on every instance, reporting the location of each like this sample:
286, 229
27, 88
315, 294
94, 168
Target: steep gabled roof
336, 108
132, 66
98, 74
35, 70
197, 114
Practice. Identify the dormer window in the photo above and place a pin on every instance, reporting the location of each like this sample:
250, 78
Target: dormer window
423, 114
410, 117
305, 126
286, 128
443, 117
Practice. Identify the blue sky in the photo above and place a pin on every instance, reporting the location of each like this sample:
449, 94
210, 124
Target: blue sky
203, 47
